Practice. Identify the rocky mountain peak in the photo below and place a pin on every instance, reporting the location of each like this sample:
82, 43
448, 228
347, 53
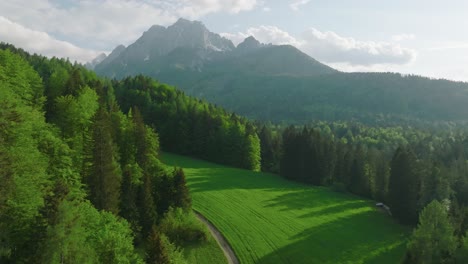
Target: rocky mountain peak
159, 40
194, 34
112, 56
90, 65
250, 43
182, 22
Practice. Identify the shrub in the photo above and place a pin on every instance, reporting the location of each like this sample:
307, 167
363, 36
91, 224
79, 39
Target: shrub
181, 226
176, 255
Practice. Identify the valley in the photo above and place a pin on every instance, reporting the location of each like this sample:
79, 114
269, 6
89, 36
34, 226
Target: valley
267, 132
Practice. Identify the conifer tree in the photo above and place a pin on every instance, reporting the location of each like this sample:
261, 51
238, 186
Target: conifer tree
147, 206
166, 191
105, 180
74, 82
251, 152
181, 196
381, 176
129, 195
140, 138
403, 189
268, 150
434, 186
291, 157
359, 183
157, 252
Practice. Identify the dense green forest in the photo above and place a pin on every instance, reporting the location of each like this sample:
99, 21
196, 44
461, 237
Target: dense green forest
372, 98
81, 180
190, 126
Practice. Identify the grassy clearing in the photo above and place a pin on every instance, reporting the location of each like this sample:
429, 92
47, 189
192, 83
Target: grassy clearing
267, 219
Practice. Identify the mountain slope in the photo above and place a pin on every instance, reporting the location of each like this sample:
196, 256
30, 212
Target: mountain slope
271, 60
366, 97
281, 83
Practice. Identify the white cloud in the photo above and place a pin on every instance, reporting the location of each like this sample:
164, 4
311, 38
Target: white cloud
403, 37
330, 47
106, 23
347, 67
264, 34
196, 8
297, 4
272, 34
266, 9
42, 43
98, 24
420, 67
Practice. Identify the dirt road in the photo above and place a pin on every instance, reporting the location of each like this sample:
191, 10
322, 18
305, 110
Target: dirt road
222, 242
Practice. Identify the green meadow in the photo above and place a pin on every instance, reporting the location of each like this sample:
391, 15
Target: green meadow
267, 219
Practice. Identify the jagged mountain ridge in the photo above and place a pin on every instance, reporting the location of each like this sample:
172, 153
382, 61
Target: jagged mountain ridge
155, 50
112, 56
189, 45
101, 57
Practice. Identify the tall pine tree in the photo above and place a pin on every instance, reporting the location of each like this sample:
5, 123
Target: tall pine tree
181, 195
105, 179
403, 188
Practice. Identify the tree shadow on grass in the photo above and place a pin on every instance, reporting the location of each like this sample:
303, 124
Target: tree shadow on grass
288, 195
206, 176
187, 162
320, 198
352, 239
209, 179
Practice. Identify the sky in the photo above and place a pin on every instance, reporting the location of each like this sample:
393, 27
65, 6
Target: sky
412, 37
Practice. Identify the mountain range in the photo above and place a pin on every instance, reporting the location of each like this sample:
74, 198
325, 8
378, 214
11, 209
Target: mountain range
279, 83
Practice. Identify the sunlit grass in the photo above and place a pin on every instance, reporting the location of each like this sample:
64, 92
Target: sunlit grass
267, 219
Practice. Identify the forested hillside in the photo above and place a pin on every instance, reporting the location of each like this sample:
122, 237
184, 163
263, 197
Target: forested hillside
372, 98
81, 180
279, 83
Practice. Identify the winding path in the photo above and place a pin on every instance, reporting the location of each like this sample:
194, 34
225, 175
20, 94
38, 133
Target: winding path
222, 242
